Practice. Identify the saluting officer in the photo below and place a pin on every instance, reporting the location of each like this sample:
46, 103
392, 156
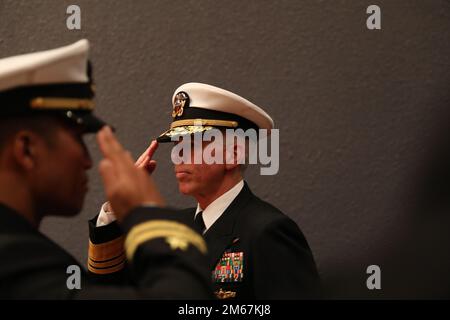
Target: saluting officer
255, 251
46, 106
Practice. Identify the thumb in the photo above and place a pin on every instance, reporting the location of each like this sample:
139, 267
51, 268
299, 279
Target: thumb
151, 166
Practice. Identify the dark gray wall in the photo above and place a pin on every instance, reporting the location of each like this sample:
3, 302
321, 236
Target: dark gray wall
357, 111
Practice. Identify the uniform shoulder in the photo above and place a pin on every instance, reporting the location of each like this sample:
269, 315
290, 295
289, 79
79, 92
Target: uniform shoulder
261, 215
187, 210
264, 209
22, 254
36, 245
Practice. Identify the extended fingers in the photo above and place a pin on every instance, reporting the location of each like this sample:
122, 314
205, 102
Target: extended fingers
147, 155
152, 148
143, 158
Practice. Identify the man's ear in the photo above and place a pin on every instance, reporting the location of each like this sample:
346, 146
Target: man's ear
24, 147
235, 155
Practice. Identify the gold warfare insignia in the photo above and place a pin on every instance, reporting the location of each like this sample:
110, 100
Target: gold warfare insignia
177, 243
179, 102
222, 294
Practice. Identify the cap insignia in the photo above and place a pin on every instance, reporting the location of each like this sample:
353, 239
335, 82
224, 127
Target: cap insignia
180, 101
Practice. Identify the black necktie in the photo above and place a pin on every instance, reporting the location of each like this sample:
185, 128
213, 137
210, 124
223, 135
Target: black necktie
199, 221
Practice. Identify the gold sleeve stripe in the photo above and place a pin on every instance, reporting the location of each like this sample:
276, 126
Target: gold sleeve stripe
107, 263
61, 103
170, 230
106, 251
109, 270
103, 261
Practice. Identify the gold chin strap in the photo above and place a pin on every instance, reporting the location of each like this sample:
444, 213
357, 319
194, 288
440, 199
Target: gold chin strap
204, 122
62, 103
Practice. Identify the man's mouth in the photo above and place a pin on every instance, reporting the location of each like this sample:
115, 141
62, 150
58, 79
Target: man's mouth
180, 174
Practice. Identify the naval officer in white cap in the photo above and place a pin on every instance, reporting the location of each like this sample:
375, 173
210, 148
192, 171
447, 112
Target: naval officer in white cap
255, 251
46, 106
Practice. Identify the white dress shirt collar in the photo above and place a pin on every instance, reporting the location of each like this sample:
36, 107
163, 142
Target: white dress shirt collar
213, 212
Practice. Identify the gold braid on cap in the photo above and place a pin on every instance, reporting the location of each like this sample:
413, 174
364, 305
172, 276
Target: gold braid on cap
62, 103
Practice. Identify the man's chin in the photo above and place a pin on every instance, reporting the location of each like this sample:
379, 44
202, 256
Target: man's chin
184, 188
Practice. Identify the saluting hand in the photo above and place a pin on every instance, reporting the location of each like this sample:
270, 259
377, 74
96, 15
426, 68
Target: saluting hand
126, 185
145, 160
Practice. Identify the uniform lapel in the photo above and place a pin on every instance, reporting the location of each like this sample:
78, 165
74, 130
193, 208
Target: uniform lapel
221, 234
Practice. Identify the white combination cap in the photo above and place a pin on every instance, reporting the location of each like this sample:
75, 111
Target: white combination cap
57, 81
198, 107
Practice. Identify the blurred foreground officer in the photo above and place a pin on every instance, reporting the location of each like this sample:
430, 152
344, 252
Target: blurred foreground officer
255, 250
45, 109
